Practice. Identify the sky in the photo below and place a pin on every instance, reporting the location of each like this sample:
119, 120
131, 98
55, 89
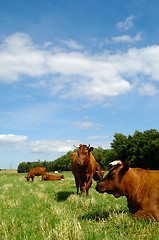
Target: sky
75, 72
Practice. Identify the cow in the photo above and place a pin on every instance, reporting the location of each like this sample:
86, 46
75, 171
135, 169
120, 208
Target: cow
48, 177
36, 172
98, 176
140, 186
83, 166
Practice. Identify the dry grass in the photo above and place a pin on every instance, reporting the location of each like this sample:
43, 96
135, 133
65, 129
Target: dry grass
8, 171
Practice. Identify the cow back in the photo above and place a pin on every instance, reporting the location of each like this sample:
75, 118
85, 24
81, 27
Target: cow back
48, 177
37, 171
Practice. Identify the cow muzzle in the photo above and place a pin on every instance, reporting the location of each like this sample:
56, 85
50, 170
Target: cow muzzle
79, 163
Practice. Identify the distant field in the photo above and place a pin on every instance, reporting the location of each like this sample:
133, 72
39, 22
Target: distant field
52, 210
8, 171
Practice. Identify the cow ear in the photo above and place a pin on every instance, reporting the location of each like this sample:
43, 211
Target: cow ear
90, 149
126, 166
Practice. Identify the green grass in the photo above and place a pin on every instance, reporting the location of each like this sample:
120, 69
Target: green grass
52, 210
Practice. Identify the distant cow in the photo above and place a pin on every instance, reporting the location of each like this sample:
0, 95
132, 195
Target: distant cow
48, 177
141, 187
36, 172
83, 166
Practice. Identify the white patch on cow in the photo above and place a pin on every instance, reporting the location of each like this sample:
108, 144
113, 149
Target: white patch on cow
116, 162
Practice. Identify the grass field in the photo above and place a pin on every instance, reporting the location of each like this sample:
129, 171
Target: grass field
52, 210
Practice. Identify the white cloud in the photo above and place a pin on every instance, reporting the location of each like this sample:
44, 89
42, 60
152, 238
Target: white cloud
89, 76
52, 146
127, 38
56, 146
48, 44
18, 55
127, 24
72, 44
148, 89
11, 139
141, 61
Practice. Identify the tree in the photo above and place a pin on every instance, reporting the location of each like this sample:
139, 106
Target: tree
146, 148
141, 149
109, 156
120, 145
98, 154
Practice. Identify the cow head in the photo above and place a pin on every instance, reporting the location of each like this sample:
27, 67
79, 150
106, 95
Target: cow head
98, 176
45, 176
84, 154
27, 178
112, 182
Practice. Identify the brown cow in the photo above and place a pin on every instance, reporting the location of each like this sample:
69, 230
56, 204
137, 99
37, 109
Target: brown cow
48, 177
98, 176
83, 166
36, 172
141, 187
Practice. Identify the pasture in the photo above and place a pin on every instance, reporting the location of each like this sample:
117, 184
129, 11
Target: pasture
52, 210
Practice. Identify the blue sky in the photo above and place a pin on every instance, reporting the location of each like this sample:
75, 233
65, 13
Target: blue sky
75, 71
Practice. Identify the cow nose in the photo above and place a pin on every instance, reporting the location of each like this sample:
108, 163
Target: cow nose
78, 163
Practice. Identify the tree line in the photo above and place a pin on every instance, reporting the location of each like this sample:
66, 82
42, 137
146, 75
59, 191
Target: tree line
141, 149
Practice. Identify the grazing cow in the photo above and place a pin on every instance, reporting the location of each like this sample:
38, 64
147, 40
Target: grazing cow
52, 177
36, 172
140, 186
83, 166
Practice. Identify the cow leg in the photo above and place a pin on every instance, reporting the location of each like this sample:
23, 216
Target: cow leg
82, 188
77, 184
145, 214
32, 178
42, 178
87, 189
88, 185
